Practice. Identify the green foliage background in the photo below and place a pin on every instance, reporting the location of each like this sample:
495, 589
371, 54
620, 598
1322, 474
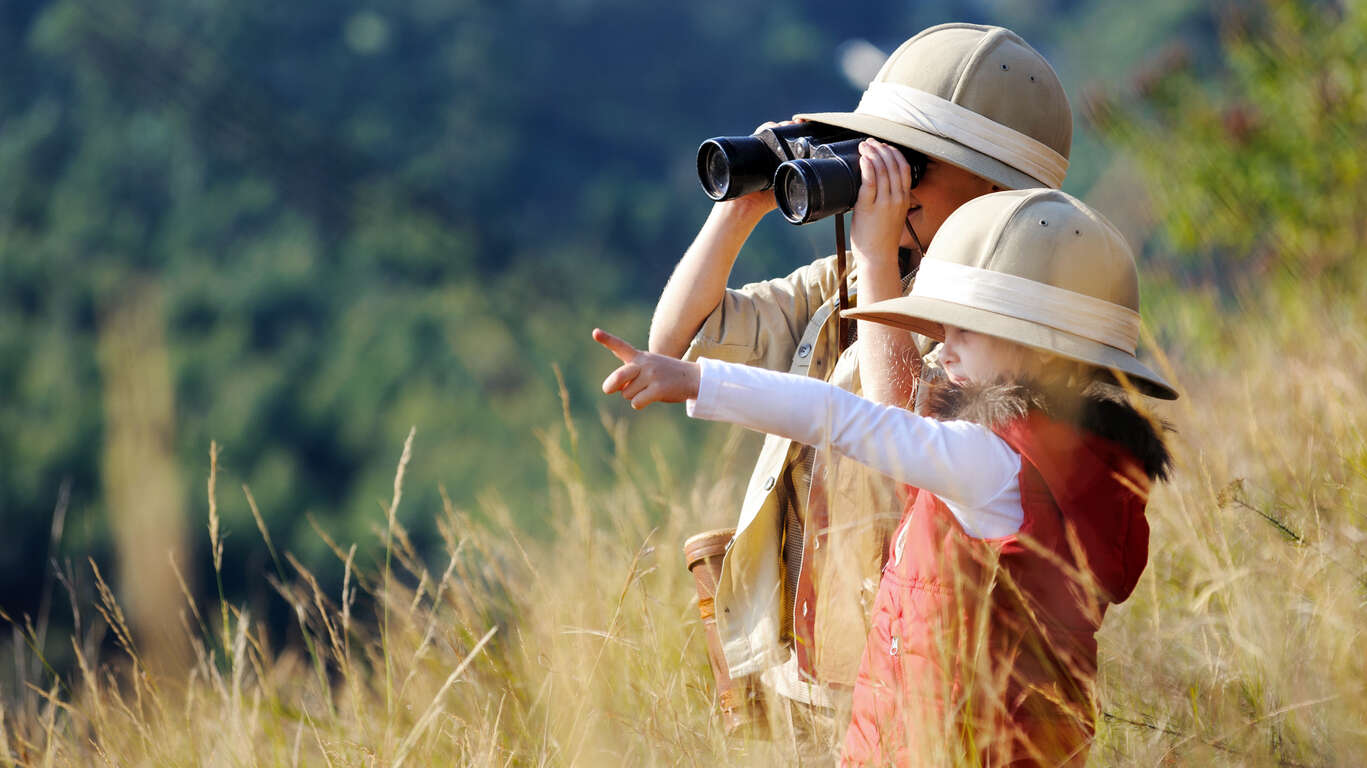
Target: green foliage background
360, 217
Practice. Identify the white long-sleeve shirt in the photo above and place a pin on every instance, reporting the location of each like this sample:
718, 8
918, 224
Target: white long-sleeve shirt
972, 470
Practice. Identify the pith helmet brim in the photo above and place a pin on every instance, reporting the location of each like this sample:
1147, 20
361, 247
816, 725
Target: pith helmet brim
928, 317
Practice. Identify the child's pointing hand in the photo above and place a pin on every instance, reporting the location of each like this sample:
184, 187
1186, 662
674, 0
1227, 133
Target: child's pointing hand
646, 377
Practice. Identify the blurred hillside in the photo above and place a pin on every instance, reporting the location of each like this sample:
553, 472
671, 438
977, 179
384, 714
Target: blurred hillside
300, 229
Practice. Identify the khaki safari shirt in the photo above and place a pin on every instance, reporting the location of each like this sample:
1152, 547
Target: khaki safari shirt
790, 324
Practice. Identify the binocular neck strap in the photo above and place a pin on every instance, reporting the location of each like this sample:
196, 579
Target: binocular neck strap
908, 261
842, 271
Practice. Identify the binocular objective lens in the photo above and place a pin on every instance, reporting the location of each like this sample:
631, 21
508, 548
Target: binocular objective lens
718, 177
795, 196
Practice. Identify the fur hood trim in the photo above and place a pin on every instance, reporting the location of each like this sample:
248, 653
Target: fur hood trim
1099, 409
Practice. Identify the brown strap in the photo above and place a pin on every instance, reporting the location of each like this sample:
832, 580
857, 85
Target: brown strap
842, 324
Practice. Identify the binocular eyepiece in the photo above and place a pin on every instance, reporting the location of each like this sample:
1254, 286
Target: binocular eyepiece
812, 168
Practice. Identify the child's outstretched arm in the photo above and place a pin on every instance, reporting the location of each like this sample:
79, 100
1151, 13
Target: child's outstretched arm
964, 464
647, 377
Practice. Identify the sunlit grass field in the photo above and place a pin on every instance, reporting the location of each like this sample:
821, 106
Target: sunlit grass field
581, 645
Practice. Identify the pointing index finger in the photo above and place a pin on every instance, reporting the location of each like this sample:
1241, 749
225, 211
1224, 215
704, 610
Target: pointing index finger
624, 351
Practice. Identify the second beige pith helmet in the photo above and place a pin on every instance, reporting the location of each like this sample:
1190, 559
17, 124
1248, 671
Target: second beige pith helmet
974, 96
1036, 267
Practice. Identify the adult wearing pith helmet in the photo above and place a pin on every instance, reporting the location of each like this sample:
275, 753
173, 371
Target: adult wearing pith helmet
797, 581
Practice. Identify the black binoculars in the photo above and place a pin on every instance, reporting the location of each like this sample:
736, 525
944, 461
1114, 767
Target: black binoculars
812, 168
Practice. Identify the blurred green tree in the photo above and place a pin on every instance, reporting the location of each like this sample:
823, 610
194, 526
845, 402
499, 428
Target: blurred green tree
1257, 169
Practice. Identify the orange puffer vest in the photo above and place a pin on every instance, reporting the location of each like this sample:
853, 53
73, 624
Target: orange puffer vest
985, 648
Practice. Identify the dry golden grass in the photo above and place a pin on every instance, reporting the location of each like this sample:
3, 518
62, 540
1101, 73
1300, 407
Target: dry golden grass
1244, 644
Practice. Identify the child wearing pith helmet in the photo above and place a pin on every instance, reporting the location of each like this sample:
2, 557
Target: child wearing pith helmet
1028, 481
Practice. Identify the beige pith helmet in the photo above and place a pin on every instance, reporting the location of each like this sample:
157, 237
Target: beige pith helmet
1037, 267
1008, 119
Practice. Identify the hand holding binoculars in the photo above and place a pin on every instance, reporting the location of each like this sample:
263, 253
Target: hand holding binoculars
812, 168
